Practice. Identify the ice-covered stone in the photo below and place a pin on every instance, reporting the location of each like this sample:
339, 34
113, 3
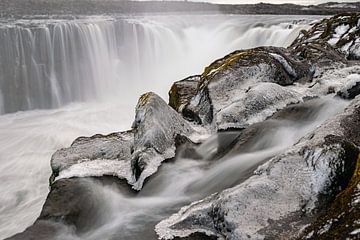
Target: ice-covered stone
351, 88
227, 79
155, 128
94, 156
288, 186
133, 155
255, 105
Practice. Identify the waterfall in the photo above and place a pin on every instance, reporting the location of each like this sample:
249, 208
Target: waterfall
48, 63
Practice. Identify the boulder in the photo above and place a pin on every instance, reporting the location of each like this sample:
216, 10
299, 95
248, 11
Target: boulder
225, 80
133, 155
351, 88
155, 128
73, 206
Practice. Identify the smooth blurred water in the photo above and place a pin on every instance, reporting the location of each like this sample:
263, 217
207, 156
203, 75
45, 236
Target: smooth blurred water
186, 180
90, 71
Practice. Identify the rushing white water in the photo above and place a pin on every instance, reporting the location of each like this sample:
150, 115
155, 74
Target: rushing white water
187, 180
105, 62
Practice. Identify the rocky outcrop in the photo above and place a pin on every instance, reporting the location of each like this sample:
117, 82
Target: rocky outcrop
341, 220
294, 184
182, 91
133, 155
331, 38
239, 77
155, 127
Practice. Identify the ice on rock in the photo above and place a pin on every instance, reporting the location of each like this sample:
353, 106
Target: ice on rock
286, 185
256, 104
94, 154
98, 168
239, 77
351, 88
290, 70
155, 127
133, 155
339, 32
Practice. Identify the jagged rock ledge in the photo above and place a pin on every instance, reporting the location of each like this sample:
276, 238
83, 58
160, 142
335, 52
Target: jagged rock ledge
235, 92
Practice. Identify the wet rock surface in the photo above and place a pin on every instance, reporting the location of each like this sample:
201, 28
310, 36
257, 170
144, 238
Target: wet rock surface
73, 205
86, 153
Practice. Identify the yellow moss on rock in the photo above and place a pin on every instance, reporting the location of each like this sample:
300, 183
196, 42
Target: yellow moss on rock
144, 98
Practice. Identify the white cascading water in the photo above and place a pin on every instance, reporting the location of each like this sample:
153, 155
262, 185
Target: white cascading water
90, 72
186, 180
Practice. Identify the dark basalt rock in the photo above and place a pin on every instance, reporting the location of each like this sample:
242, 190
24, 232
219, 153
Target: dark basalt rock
182, 91
72, 205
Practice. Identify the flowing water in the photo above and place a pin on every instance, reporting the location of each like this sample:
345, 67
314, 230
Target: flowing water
86, 74
186, 180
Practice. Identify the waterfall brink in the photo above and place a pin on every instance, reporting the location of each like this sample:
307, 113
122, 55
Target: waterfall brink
48, 63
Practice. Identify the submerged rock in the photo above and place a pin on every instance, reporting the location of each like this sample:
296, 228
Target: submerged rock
73, 206
286, 190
